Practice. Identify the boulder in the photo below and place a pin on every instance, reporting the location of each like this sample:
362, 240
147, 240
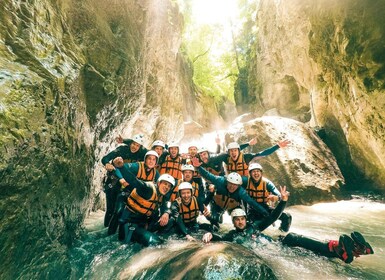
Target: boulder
307, 166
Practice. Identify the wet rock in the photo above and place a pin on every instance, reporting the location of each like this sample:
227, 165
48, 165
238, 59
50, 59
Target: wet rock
307, 166
323, 62
197, 261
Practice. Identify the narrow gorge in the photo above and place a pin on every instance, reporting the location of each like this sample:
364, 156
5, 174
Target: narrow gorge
76, 74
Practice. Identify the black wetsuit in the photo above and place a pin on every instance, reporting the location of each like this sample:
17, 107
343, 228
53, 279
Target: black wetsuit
252, 229
239, 195
147, 224
111, 182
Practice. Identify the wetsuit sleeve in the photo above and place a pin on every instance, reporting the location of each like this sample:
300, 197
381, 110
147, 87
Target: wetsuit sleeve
209, 198
174, 209
218, 159
118, 173
201, 205
181, 225
274, 215
110, 156
216, 180
162, 158
246, 198
141, 187
122, 171
243, 146
216, 237
245, 180
228, 236
156, 175
271, 188
264, 153
164, 208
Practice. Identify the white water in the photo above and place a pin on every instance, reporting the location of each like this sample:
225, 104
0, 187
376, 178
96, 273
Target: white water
97, 256
326, 221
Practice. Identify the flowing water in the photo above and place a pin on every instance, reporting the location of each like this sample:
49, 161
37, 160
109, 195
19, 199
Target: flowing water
98, 256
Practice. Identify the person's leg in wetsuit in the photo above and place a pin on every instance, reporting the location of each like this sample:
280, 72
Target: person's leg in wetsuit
346, 248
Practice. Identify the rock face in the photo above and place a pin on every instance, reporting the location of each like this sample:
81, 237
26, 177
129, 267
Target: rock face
73, 74
198, 261
307, 166
323, 61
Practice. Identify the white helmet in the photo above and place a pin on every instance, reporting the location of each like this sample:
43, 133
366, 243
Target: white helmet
255, 165
173, 144
151, 153
168, 178
192, 145
234, 178
233, 145
202, 149
237, 212
185, 186
188, 167
158, 143
138, 138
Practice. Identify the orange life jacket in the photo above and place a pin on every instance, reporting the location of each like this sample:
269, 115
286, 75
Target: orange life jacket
172, 167
137, 204
142, 174
225, 202
189, 213
240, 166
258, 193
175, 192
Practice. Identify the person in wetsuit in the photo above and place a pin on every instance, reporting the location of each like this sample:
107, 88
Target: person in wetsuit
346, 248
228, 194
146, 210
131, 151
185, 211
262, 190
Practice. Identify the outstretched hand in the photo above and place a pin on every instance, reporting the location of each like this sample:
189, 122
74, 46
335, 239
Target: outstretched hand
206, 238
195, 162
119, 139
284, 194
253, 141
284, 143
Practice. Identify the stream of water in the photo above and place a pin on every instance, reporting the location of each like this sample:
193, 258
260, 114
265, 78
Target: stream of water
98, 256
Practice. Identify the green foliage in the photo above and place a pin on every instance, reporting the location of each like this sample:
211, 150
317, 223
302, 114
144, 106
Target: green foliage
217, 62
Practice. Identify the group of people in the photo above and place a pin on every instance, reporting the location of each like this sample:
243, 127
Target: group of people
162, 191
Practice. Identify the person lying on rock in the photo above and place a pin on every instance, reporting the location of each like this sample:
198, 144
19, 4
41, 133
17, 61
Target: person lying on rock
346, 248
